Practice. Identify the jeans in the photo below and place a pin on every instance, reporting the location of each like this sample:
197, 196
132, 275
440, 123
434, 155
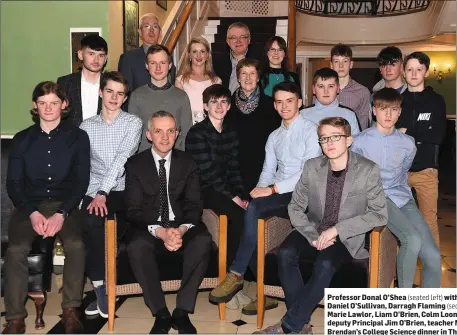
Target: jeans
416, 239
301, 299
273, 205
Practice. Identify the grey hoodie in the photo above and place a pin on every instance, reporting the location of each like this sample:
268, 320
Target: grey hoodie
381, 84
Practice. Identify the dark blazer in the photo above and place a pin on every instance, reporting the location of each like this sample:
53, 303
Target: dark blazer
71, 84
142, 189
363, 202
133, 66
223, 67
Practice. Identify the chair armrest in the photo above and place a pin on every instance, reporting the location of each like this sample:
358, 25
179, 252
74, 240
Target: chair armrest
215, 225
383, 257
275, 232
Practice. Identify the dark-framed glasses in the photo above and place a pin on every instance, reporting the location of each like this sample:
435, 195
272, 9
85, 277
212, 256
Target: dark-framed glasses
332, 138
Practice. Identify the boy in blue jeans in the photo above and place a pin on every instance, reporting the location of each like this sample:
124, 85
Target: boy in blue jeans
394, 152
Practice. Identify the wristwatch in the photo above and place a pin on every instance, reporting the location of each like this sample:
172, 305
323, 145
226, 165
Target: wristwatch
102, 193
64, 214
273, 190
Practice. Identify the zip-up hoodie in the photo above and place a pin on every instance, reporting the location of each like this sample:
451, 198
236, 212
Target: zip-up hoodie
423, 115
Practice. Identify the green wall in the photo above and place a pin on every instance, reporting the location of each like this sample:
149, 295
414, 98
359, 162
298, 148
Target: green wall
35, 46
447, 86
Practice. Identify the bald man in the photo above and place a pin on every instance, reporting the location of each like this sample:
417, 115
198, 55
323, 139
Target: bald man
132, 63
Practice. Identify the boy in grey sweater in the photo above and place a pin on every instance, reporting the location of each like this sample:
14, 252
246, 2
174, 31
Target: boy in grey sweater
160, 94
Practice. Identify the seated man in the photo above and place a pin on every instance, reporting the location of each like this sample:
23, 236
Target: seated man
48, 174
160, 94
338, 199
325, 88
114, 136
394, 152
287, 150
162, 194
215, 148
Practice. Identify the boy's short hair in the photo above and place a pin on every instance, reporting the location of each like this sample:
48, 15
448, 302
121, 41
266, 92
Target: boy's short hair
45, 88
287, 86
245, 62
420, 56
341, 50
389, 56
387, 97
156, 48
160, 114
324, 74
114, 76
216, 91
335, 121
94, 42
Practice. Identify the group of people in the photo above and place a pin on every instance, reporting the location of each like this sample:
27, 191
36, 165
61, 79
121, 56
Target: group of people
155, 149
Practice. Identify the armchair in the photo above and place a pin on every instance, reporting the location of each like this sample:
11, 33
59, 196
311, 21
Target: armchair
120, 279
378, 270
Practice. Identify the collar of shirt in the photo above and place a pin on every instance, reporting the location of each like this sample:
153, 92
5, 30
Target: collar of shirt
157, 158
100, 119
320, 106
60, 126
146, 47
380, 134
294, 122
84, 80
157, 88
233, 59
349, 85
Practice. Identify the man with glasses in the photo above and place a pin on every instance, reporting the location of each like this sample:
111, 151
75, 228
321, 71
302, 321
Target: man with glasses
238, 39
132, 63
286, 151
338, 199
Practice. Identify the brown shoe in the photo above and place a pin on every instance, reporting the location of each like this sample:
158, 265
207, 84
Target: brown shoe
71, 321
16, 326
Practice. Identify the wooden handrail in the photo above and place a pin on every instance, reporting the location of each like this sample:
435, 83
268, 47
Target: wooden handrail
291, 38
180, 26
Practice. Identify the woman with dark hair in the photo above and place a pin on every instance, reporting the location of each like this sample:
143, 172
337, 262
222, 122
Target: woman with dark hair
274, 69
253, 116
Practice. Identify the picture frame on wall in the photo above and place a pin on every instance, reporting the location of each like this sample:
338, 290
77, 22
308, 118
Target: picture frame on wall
76, 35
162, 4
130, 24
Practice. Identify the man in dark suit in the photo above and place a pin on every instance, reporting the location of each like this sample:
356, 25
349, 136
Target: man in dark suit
82, 87
164, 206
132, 64
238, 39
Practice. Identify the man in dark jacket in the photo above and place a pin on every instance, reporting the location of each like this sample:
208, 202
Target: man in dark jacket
424, 118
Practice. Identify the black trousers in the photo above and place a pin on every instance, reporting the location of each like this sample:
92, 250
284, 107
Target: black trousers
16, 271
94, 232
145, 250
223, 205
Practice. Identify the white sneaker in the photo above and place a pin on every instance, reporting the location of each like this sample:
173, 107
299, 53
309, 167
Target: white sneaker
243, 299
233, 303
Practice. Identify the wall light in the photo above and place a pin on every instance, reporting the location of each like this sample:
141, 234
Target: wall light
439, 74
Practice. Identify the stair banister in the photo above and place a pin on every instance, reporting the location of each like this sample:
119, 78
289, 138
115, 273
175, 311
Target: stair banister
291, 39
180, 25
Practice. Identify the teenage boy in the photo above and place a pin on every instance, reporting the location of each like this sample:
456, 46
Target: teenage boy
160, 94
48, 174
390, 61
215, 148
394, 152
286, 151
424, 118
326, 88
114, 136
352, 94
330, 226
82, 87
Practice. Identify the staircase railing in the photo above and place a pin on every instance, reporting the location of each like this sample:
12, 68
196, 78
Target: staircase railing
291, 36
360, 7
189, 21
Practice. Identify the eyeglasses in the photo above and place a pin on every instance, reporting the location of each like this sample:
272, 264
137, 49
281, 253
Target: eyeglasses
332, 138
236, 38
273, 50
151, 27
